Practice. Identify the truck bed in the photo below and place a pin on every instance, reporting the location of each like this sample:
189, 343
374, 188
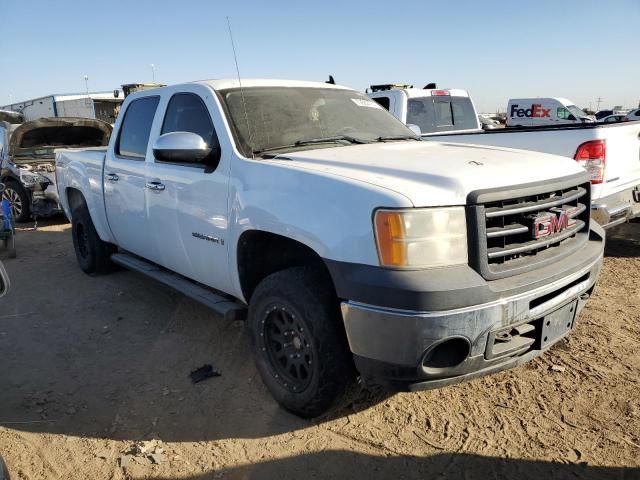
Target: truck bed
622, 170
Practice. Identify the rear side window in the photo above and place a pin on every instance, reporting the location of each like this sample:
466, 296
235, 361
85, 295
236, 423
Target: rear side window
136, 127
384, 102
187, 112
437, 114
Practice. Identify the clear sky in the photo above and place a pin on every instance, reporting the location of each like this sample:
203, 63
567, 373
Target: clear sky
580, 49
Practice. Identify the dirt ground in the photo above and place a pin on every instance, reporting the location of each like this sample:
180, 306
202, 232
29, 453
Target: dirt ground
92, 366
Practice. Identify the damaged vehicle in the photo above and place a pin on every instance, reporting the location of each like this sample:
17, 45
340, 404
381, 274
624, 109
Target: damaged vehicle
27, 160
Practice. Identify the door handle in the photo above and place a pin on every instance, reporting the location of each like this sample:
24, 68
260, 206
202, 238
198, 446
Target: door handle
112, 177
156, 186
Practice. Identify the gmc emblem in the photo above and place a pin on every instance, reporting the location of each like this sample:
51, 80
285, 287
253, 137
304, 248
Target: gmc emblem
555, 221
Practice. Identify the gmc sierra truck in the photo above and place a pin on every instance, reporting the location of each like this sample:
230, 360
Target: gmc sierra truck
609, 152
352, 249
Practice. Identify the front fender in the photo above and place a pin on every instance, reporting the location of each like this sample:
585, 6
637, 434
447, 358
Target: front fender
329, 214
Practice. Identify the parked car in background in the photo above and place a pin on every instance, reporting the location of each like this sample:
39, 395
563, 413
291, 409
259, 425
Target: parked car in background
609, 152
614, 118
352, 248
533, 112
488, 123
634, 115
27, 160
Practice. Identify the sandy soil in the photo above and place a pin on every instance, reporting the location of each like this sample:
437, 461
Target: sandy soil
90, 367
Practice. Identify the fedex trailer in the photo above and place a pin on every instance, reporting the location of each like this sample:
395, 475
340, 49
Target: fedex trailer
532, 112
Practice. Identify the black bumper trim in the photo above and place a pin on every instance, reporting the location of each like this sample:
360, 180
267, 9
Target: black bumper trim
453, 287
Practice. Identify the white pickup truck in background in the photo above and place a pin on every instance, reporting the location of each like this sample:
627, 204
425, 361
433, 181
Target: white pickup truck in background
352, 247
609, 152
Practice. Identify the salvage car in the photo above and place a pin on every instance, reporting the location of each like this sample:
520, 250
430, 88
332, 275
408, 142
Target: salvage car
27, 160
352, 248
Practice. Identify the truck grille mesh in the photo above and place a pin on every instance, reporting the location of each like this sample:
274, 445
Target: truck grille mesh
529, 229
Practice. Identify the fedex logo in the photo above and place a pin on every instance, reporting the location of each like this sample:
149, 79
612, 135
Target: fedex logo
536, 111
558, 219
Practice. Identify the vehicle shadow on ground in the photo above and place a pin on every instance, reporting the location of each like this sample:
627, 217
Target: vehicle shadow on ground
623, 241
336, 464
110, 356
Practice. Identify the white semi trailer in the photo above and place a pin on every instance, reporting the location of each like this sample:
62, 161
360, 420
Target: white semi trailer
101, 105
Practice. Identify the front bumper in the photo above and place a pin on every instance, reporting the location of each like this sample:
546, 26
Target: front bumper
407, 349
617, 208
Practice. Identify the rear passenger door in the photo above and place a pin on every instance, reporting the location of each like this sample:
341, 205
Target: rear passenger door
189, 215
124, 179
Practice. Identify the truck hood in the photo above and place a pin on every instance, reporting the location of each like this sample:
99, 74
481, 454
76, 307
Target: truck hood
37, 140
434, 173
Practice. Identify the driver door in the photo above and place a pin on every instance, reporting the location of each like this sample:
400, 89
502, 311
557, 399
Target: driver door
187, 205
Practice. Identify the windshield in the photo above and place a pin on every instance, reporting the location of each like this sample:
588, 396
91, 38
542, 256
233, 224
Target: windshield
437, 114
576, 111
294, 117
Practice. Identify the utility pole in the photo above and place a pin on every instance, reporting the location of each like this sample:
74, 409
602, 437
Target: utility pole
599, 100
153, 73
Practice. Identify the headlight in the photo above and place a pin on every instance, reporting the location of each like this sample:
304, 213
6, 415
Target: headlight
421, 238
29, 179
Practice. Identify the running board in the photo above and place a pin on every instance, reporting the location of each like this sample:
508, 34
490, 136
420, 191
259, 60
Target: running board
224, 306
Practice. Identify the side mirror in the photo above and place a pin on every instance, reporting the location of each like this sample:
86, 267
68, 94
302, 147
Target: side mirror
181, 147
414, 128
4, 280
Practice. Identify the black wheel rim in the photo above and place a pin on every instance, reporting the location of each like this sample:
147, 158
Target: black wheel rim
82, 240
286, 343
14, 201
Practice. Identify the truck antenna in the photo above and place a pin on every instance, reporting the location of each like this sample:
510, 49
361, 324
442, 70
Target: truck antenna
244, 104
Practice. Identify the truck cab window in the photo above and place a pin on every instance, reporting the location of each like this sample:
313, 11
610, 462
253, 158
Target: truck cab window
563, 113
384, 102
187, 112
136, 126
433, 114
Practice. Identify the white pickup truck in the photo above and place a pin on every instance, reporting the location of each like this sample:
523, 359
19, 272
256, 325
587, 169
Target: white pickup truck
352, 248
609, 152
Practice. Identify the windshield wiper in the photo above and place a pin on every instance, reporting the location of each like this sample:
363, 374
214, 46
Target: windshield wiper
335, 138
398, 137
312, 141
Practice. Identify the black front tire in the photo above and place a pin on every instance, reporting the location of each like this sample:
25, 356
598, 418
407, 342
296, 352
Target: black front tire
94, 255
19, 199
299, 343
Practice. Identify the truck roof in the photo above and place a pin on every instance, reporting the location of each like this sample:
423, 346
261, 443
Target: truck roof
422, 92
564, 101
221, 84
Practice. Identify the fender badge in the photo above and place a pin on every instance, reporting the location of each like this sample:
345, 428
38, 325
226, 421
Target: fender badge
473, 162
208, 238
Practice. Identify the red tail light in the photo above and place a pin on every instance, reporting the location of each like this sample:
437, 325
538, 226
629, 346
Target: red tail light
440, 93
592, 156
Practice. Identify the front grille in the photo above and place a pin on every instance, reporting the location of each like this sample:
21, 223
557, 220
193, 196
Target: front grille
516, 233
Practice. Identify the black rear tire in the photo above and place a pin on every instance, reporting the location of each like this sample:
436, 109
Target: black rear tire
19, 199
299, 343
94, 255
